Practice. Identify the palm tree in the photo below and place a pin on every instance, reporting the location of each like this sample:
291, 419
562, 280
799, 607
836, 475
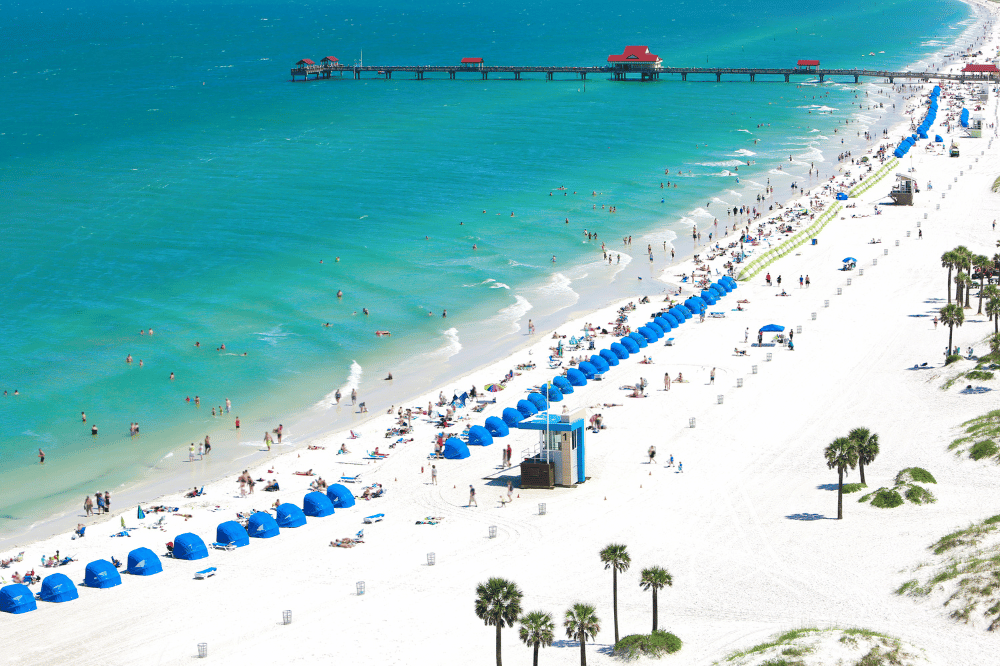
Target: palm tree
537, 630
948, 260
866, 444
498, 602
841, 455
655, 578
982, 264
964, 256
992, 293
582, 623
952, 316
615, 557
963, 282
993, 311
995, 345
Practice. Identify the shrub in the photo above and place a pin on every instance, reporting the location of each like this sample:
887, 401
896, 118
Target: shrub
853, 487
980, 375
983, 449
914, 474
886, 498
655, 644
991, 520
952, 358
920, 495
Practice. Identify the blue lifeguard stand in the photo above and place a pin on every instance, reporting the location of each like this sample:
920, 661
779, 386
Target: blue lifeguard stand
561, 456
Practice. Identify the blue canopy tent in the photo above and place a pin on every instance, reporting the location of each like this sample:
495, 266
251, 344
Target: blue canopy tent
631, 345
728, 281
317, 505
709, 296
563, 384
262, 526
341, 497
620, 350
526, 408
609, 357
16, 599
512, 417
455, 449
143, 562
58, 588
538, 400
671, 319
555, 395
772, 328
656, 328
189, 546
664, 324
578, 377
232, 532
937, 138
717, 290
693, 305
639, 339
496, 426
647, 333
600, 363
724, 285
289, 515
479, 436
699, 301
680, 314
101, 574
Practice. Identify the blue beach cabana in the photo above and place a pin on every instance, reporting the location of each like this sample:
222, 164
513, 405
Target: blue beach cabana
639, 339
555, 395
647, 333
341, 497
262, 526
709, 296
101, 574
143, 562
526, 408
317, 505
631, 345
656, 328
579, 376
728, 281
619, 350
189, 546
289, 515
563, 384
680, 314
610, 356
16, 599
496, 426
455, 449
232, 532
600, 363
479, 436
664, 324
511, 416
538, 400
58, 588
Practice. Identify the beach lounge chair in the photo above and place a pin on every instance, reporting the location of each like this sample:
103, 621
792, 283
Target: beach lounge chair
717, 315
218, 545
360, 536
669, 342
377, 518
350, 479
205, 573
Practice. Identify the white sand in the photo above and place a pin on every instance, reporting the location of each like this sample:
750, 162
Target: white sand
744, 567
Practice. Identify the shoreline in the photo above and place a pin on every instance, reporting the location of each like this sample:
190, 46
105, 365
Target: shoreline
167, 483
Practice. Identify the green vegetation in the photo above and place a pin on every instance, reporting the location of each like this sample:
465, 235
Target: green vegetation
951, 358
996, 185
876, 649
983, 449
884, 498
981, 438
498, 602
841, 454
538, 631
581, 622
854, 487
979, 375
906, 486
655, 644
966, 571
914, 475
919, 495
655, 578
784, 639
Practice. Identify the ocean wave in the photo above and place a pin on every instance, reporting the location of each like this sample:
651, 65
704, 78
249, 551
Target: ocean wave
511, 262
722, 174
700, 212
744, 130
453, 346
778, 172
744, 152
353, 381
273, 336
727, 163
498, 285
735, 193
514, 312
718, 200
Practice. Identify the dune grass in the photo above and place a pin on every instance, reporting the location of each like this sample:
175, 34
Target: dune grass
854, 487
981, 438
914, 475
788, 649
655, 645
906, 487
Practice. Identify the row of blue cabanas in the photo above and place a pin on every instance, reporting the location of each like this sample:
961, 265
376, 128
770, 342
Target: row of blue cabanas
904, 146
598, 364
101, 574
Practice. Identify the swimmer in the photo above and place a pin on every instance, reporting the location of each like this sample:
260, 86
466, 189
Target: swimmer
128, 359
83, 416
365, 310
444, 313
171, 376
197, 344
340, 294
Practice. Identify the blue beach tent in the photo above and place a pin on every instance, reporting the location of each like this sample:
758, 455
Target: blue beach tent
772, 328
479, 436
600, 363
680, 313
538, 400
189, 546
16, 599
232, 532
563, 384
496, 426
639, 339
143, 562
317, 505
610, 356
262, 526
101, 574
58, 588
937, 137
511, 417
664, 325
289, 515
620, 350
555, 395
729, 281
578, 377
647, 333
671, 319
718, 290
655, 328
709, 296
631, 345
526, 408
455, 449
341, 497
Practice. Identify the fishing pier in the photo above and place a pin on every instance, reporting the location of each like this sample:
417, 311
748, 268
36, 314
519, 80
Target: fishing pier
635, 64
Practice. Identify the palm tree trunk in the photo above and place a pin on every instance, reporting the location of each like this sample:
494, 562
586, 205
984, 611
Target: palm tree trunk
949, 285
654, 609
583, 649
499, 663
840, 515
951, 329
996, 324
535, 663
614, 583
861, 466
980, 293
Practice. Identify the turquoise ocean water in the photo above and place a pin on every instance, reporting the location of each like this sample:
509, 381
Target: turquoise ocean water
159, 170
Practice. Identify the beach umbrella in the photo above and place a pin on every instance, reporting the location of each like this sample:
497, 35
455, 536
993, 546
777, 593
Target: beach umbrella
555, 394
772, 328
538, 400
139, 514
849, 259
664, 325
493, 388
647, 333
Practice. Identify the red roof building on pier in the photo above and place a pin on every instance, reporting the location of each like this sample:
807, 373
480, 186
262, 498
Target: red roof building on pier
475, 63
305, 62
808, 64
636, 58
981, 69
329, 61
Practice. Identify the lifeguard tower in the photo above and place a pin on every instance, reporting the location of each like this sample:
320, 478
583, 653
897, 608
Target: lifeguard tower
902, 191
976, 126
560, 459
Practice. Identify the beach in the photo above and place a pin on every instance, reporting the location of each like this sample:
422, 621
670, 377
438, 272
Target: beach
746, 529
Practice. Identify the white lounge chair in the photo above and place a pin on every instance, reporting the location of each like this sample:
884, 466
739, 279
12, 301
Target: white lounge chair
350, 479
218, 545
205, 573
376, 518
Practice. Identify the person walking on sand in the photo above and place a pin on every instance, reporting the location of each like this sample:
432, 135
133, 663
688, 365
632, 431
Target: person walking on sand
652, 454
107, 502
510, 491
746, 335
88, 506
666, 381
680, 468
191, 452
509, 455
472, 497
935, 322
337, 396
100, 503
354, 396
671, 463
434, 475
711, 376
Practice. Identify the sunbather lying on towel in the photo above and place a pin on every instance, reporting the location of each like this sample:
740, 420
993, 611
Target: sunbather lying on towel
375, 491
316, 448
343, 543
427, 522
740, 352
309, 473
